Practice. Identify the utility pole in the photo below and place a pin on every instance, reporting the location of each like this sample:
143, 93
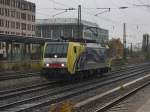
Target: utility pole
131, 49
79, 22
124, 40
147, 43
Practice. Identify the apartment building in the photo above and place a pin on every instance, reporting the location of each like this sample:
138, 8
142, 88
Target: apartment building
17, 17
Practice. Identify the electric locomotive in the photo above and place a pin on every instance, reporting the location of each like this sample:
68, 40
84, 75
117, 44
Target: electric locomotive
71, 59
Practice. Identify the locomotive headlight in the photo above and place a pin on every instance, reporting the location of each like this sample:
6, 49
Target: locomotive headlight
47, 65
55, 56
62, 65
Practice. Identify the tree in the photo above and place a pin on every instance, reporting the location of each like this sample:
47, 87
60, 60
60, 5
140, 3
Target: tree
115, 48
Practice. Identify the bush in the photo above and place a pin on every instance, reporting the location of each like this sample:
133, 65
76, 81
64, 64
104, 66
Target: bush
147, 56
16, 67
1, 67
26, 65
21, 66
36, 66
119, 62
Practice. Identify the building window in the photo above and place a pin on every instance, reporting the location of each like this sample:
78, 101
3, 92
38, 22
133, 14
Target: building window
13, 3
1, 23
7, 12
33, 18
23, 16
13, 33
6, 32
12, 24
33, 27
17, 33
18, 15
7, 2
29, 27
7, 24
13, 13
2, 11
1, 32
23, 26
17, 25
29, 17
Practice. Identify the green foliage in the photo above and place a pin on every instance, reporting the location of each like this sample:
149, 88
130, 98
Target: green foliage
115, 48
36, 66
21, 66
26, 65
119, 62
16, 67
147, 56
1, 67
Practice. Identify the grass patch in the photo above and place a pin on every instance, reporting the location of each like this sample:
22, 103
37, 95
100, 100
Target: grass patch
21, 66
36, 66
119, 62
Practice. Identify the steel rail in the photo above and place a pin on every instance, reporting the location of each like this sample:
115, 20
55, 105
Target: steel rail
3, 73
128, 68
18, 76
64, 94
122, 98
25, 90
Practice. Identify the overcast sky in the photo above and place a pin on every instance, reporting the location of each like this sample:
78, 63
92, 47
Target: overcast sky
137, 18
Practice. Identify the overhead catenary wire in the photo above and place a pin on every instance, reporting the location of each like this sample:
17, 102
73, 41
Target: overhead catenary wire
59, 3
91, 11
106, 19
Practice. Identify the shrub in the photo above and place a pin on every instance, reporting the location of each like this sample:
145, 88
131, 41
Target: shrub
1, 67
16, 67
36, 66
25, 65
147, 56
21, 66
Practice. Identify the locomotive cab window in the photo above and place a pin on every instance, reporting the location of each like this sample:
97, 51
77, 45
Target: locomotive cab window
56, 49
75, 49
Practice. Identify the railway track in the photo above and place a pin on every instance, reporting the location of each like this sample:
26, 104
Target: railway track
110, 75
3, 73
8, 75
59, 93
33, 88
121, 98
110, 98
16, 75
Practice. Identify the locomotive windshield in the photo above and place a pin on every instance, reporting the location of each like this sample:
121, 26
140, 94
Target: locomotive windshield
57, 49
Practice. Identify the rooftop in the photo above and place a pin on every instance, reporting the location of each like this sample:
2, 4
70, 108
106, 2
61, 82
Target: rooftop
59, 21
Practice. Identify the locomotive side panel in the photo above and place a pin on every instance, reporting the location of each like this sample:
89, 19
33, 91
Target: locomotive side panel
92, 58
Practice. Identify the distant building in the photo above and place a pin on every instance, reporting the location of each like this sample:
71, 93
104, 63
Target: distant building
17, 17
68, 28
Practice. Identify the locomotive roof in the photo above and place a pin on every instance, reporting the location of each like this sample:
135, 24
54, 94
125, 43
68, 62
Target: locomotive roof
94, 45
90, 45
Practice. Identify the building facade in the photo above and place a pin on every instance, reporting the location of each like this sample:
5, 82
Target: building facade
17, 17
69, 28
